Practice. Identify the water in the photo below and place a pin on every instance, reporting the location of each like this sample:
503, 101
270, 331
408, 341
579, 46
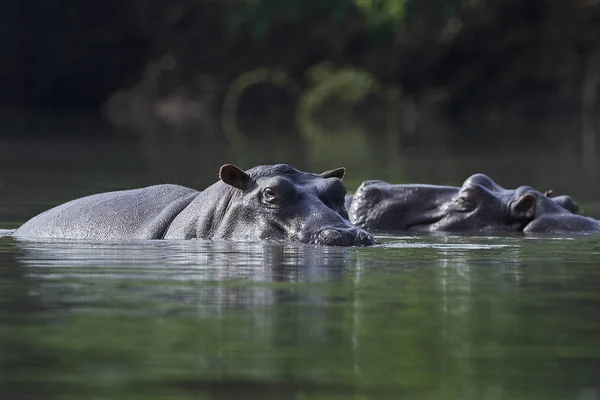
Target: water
419, 317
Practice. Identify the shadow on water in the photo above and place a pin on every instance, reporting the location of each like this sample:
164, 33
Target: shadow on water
419, 317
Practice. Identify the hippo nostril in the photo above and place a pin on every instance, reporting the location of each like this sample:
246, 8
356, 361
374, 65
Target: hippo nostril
345, 237
330, 235
370, 194
365, 238
371, 182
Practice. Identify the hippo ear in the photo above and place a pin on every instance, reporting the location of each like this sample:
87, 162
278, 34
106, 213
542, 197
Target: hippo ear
334, 173
234, 176
524, 207
548, 193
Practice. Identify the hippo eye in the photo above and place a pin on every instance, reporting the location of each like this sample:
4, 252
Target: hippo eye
269, 195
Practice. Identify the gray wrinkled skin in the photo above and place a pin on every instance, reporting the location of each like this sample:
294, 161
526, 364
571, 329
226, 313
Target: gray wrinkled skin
275, 202
480, 205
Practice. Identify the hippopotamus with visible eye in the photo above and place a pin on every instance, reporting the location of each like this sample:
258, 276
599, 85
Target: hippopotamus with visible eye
271, 202
480, 205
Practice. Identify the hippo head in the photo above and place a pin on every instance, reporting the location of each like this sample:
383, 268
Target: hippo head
278, 202
479, 205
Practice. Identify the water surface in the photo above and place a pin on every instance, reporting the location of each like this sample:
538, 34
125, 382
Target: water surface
418, 317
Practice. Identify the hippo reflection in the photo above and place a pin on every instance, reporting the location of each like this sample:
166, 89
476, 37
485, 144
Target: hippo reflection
272, 202
479, 205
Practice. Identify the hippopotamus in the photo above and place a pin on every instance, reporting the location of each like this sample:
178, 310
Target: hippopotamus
269, 202
479, 205
564, 201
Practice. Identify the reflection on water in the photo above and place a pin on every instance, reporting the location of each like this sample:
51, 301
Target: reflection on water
418, 317
211, 273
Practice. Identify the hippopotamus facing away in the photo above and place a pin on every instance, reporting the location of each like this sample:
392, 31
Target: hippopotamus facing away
271, 202
480, 205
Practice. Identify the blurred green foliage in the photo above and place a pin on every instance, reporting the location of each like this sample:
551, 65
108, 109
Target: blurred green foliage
346, 142
478, 56
384, 16
261, 15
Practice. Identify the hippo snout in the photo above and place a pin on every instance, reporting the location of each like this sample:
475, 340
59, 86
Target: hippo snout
330, 235
365, 238
344, 237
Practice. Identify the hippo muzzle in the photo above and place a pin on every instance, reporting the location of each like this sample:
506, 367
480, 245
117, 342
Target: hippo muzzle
344, 237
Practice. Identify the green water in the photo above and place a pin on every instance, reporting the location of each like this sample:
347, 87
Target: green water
442, 317
433, 317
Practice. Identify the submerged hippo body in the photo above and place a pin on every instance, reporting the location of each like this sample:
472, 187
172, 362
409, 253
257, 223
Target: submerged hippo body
479, 205
275, 202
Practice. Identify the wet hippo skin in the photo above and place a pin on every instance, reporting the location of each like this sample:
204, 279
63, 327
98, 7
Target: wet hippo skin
479, 205
269, 202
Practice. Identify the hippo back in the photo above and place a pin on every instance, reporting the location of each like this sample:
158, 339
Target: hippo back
144, 213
